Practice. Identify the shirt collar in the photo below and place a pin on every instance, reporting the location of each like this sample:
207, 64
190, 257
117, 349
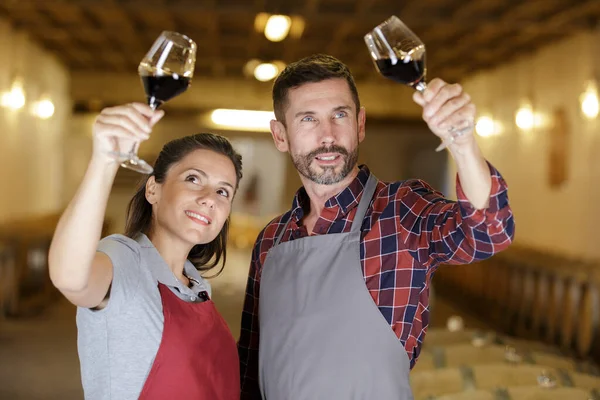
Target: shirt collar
161, 271
347, 199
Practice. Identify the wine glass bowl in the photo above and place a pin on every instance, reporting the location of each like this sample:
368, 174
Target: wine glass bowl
166, 71
398, 54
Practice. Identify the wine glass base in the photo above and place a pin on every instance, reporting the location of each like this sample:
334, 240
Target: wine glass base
454, 133
137, 165
442, 146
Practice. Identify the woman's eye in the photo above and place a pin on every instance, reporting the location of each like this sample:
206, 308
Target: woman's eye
192, 178
223, 192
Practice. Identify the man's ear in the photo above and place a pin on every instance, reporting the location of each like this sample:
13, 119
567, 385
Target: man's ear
362, 119
279, 136
152, 190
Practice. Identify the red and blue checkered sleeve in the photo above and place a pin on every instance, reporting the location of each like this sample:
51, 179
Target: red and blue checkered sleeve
249, 334
436, 230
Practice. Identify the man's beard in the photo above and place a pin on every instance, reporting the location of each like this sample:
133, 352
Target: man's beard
325, 175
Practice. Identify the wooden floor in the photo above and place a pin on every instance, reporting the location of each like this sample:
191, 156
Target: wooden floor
38, 357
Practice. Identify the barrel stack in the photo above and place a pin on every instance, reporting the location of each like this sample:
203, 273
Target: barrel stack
544, 341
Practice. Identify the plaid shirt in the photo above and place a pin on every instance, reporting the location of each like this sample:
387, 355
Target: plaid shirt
408, 231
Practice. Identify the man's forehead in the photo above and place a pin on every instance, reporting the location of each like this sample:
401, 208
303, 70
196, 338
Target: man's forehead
329, 89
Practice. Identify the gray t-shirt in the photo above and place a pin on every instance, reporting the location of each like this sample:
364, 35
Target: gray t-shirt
117, 345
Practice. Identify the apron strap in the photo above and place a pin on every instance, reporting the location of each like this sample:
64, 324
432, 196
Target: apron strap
282, 231
363, 205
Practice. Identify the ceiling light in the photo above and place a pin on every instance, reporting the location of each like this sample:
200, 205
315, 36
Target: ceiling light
265, 72
242, 119
485, 126
277, 27
524, 118
15, 99
589, 102
250, 67
43, 109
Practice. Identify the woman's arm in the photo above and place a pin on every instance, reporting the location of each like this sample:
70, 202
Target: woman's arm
76, 269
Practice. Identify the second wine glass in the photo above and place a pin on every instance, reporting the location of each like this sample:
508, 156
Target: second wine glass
400, 56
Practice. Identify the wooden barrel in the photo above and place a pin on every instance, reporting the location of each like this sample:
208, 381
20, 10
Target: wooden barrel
556, 295
467, 354
468, 280
437, 337
479, 276
430, 383
501, 284
515, 293
539, 308
444, 337
525, 393
8, 277
570, 309
485, 377
490, 268
587, 340
497, 289
524, 313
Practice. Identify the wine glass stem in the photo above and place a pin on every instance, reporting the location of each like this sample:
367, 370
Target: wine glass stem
153, 103
421, 86
134, 149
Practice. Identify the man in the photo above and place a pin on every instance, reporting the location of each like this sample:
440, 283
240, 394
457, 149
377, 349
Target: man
343, 277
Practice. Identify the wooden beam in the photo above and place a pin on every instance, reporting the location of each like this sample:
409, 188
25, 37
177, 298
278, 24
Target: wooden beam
381, 98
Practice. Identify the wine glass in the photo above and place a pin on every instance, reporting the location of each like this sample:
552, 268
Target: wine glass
166, 71
399, 55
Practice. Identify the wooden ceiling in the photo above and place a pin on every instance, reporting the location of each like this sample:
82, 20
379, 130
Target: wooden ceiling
461, 36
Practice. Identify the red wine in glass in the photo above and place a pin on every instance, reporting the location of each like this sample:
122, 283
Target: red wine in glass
409, 72
162, 88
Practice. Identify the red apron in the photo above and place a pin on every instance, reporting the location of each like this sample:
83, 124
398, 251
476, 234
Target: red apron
197, 358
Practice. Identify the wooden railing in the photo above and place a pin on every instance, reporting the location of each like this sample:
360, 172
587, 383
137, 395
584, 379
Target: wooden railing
533, 295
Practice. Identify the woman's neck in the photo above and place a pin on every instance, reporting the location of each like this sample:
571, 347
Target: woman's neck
173, 251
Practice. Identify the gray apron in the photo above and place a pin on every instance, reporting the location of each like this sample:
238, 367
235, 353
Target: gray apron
321, 334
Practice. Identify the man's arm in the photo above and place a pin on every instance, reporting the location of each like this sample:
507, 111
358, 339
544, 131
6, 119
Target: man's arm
448, 110
481, 224
437, 230
249, 335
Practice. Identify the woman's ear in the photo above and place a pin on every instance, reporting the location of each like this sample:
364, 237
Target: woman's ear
152, 190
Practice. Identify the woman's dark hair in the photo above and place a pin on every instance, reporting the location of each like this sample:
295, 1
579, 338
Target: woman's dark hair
139, 211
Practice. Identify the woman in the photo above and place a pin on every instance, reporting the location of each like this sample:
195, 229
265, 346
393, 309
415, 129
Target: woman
147, 327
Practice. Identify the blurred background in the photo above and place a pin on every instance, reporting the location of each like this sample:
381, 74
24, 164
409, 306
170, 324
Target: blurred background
532, 67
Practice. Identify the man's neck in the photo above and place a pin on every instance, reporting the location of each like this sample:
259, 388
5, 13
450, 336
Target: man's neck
319, 194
